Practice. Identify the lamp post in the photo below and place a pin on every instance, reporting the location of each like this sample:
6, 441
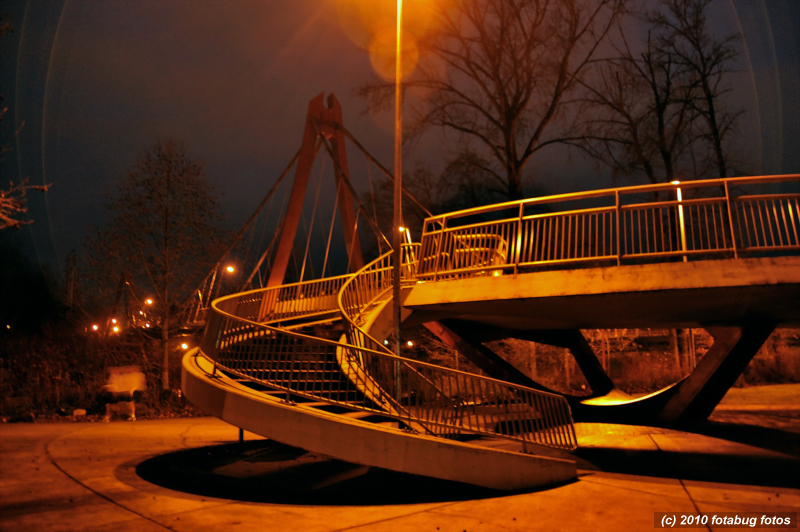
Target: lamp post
398, 184
397, 226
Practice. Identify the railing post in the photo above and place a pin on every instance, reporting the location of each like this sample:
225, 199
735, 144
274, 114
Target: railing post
618, 214
397, 382
730, 219
519, 237
289, 385
439, 249
683, 226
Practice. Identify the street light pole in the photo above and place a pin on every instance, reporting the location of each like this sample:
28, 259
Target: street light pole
398, 181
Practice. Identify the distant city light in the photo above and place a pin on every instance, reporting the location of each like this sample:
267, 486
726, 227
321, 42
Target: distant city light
184, 346
8, 326
230, 269
148, 301
147, 325
141, 312
113, 320
116, 329
410, 343
386, 342
94, 327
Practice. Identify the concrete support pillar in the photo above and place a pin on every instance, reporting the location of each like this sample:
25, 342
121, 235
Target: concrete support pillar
574, 340
698, 394
467, 339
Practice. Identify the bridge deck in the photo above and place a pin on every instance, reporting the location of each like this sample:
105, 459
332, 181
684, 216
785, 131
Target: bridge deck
665, 295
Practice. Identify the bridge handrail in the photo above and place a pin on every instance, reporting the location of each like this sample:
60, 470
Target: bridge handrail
443, 400
223, 345
531, 237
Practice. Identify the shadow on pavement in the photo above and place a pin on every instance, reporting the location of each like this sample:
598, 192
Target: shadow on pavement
778, 467
269, 472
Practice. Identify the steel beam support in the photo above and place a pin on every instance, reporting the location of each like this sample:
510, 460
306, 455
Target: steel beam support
587, 361
465, 337
698, 394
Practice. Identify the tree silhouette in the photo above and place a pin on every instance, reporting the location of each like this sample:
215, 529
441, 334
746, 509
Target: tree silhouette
161, 230
661, 110
12, 199
499, 74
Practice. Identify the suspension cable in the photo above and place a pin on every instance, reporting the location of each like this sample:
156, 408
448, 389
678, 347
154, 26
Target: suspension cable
346, 180
374, 209
311, 225
330, 233
386, 172
353, 243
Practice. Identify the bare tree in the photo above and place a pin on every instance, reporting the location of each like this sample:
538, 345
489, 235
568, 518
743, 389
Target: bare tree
686, 36
462, 185
12, 204
498, 73
638, 114
161, 230
12, 199
661, 111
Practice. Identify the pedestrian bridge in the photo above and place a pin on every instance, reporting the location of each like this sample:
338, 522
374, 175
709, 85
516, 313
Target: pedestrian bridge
307, 363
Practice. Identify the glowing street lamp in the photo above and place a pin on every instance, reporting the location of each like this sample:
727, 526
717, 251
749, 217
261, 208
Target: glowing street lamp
184, 346
148, 301
680, 217
230, 269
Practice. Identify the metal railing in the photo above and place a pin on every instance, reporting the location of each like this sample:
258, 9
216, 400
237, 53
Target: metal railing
444, 401
691, 220
282, 359
361, 374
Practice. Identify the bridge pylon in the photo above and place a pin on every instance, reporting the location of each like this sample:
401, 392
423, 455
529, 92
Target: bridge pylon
321, 122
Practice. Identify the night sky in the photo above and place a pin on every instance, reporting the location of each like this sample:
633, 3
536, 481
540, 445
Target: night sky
98, 81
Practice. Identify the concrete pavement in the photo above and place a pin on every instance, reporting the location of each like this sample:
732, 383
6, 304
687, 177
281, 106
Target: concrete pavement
172, 474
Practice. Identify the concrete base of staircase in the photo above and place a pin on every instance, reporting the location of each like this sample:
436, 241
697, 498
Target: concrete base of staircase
363, 443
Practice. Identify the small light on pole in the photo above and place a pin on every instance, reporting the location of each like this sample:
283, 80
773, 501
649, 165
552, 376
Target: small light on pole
148, 301
230, 269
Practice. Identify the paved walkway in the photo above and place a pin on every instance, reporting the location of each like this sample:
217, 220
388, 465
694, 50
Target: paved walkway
91, 476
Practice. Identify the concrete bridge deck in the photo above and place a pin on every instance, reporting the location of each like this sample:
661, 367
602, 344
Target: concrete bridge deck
663, 295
